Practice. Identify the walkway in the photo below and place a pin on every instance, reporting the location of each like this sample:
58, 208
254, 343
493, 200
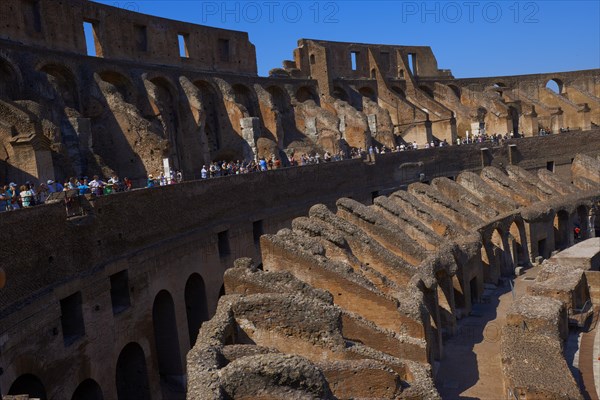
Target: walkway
589, 365
471, 368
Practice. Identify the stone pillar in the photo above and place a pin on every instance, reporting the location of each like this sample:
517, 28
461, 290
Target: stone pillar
342, 126
557, 121
310, 128
250, 133
585, 120
372, 121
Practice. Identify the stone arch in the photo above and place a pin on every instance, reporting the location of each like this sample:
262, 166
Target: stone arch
495, 256
286, 126
513, 115
280, 99
166, 103
305, 93
368, 92
456, 90
196, 305
210, 101
166, 340
64, 83
518, 243
10, 81
88, 390
481, 114
131, 374
399, 91
121, 83
562, 230
245, 97
28, 384
340, 93
427, 90
556, 85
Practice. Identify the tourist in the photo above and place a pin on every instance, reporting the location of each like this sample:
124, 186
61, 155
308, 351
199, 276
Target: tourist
97, 186
204, 172
42, 193
150, 182
13, 196
54, 187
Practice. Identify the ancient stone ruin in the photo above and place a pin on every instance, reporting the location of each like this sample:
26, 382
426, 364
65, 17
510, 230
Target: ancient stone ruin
339, 280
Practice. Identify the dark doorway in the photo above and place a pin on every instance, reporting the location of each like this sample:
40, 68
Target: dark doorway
473, 288
167, 342
132, 374
195, 305
28, 384
88, 390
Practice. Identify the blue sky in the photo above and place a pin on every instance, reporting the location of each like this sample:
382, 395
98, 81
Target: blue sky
471, 37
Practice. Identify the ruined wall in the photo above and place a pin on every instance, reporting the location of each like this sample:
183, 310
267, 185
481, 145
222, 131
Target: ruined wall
162, 247
410, 265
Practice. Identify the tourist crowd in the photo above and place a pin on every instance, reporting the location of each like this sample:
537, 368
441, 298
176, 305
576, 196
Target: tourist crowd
14, 197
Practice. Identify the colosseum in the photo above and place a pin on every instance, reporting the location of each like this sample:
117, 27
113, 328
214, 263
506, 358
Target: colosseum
457, 271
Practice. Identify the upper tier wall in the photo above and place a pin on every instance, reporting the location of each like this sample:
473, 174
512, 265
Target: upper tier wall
125, 35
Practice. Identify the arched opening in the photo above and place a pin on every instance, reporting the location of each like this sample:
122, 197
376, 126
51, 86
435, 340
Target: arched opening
499, 85
456, 90
481, 114
495, 259
166, 104
399, 91
88, 390
121, 83
556, 85
285, 132
368, 93
28, 384
561, 230
513, 114
518, 244
9, 82
304, 93
196, 306
245, 97
64, 84
132, 374
312, 59
166, 341
581, 227
427, 90
373, 74
340, 93
209, 100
